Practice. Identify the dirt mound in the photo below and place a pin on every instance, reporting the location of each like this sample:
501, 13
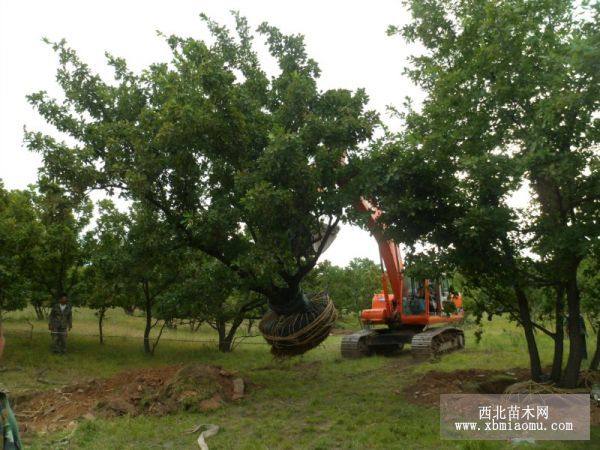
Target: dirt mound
427, 390
155, 391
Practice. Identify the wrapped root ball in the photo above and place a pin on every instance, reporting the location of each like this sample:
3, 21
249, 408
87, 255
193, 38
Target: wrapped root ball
301, 328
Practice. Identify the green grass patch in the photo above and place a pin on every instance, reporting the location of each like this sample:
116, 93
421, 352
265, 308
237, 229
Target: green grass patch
316, 401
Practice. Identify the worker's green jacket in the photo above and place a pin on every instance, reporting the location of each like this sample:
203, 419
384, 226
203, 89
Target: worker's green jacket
61, 319
9, 430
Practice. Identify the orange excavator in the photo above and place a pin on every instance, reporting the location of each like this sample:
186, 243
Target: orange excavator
416, 311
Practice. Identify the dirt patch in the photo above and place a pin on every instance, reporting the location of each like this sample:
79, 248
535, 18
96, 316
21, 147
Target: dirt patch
427, 390
155, 391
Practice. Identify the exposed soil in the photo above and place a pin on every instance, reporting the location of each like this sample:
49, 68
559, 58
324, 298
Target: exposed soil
154, 391
427, 389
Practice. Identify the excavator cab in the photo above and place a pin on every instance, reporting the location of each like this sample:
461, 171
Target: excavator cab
415, 297
425, 303
439, 297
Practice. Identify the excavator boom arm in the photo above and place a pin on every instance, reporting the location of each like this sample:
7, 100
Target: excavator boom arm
389, 252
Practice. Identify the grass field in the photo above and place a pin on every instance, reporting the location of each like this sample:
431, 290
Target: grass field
317, 401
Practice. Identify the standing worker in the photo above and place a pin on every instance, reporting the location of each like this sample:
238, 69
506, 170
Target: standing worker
61, 320
9, 430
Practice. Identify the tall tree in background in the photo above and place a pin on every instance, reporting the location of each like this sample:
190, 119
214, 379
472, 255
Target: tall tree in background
247, 167
60, 257
104, 284
351, 288
204, 285
153, 263
19, 239
135, 259
513, 93
210, 293
589, 276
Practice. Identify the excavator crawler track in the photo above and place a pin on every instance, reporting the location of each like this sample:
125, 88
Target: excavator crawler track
355, 346
435, 341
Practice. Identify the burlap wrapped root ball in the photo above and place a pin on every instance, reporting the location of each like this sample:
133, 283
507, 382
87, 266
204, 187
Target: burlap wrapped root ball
296, 333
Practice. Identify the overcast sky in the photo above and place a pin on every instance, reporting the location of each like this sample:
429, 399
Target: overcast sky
347, 38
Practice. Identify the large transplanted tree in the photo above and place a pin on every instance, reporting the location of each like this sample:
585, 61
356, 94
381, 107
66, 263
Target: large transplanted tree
247, 167
513, 94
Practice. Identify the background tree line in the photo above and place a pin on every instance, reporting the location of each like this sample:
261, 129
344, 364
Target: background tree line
127, 260
351, 287
131, 259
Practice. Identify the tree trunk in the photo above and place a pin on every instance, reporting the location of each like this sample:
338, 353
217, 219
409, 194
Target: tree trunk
225, 345
156, 341
558, 336
570, 377
101, 314
195, 325
226, 337
525, 316
596, 359
224, 342
148, 328
39, 312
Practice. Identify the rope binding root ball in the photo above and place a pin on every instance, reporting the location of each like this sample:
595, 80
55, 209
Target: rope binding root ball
295, 332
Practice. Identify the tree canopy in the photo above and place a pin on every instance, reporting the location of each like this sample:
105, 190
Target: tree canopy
512, 101
246, 166
19, 238
60, 255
